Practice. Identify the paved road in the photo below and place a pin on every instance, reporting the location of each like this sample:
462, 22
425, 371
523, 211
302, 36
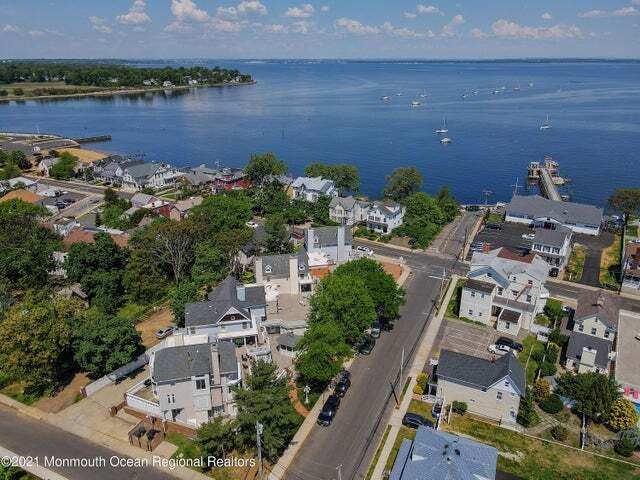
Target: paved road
574, 291
81, 187
28, 437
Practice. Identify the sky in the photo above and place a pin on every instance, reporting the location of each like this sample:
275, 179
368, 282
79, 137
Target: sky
464, 29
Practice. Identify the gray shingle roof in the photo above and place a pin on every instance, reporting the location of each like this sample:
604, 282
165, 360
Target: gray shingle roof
185, 361
326, 236
227, 356
479, 285
289, 340
144, 170
279, 264
317, 184
345, 202
597, 303
577, 341
564, 212
444, 456
479, 373
553, 238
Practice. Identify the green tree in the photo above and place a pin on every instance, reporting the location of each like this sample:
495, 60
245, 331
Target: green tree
541, 389
110, 196
104, 289
423, 219
265, 400
625, 447
277, 235
625, 201
181, 294
65, 168
210, 265
623, 415
261, 167
102, 255
19, 159
221, 212
448, 204
322, 350
173, 246
382, 288
345, 177
143, 279
527, 415
26, 247
216, 438
593, 393
104, 342
403, 182
553, 310
37, 339
344, 301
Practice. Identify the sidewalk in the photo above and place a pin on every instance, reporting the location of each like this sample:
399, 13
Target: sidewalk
422, 356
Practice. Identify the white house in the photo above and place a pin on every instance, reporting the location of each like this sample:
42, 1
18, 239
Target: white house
154, 175
505, 288
541, 212
310, 188
348, 210
328, 245
385, 216
286, 273
553, 245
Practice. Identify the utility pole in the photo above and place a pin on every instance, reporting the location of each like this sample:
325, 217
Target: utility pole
401, 363
259, 430
516, 187
393, 390
339, 468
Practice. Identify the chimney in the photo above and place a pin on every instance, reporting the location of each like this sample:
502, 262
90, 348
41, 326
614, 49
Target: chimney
340, 243
294, 287
257, 265
240, 292
600, 300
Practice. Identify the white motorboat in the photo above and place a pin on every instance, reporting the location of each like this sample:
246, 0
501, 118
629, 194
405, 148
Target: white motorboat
446, 140
444, 128
546, 125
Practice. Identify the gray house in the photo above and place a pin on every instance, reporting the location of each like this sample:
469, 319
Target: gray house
440, 455
192, 382
331, 245
553, 245
233, 311
286, 273
348, 210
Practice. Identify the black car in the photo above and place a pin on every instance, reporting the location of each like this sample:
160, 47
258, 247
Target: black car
414, 420
329, 410
342, 386
510, 343
554, 272
366, 347
494, 226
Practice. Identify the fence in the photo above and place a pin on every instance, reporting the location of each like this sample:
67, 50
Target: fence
116, 375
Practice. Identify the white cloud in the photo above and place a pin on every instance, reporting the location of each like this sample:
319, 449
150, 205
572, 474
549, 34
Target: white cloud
305, 10
36, 33
99, 24
410, 15
97, 20
325, 8
621, 12
178, 27
547, 16
136, 14
504, 28
635, 2
302, 27
251, 6
451, 28
477, 33
227, 12
354, 26
276, 28
429, 10
10, 29
222, 25
187, 10
402, 32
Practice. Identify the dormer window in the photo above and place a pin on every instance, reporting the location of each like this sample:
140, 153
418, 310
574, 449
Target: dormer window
301, 268
267, 269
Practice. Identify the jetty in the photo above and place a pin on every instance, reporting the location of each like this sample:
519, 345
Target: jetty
94, 139
547, 175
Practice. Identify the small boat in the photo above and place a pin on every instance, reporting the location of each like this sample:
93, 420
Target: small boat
531, 84
444, 128
446, 140
423, 94
386, 98
516, 88
497, 91
416, 103
546, 125
465, 95
476, 92
399, 94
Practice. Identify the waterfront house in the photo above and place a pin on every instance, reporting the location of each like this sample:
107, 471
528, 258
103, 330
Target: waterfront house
544, 213
631, 269
153, 175
328, 245
385, 216
587, 353
231, 179
434, 454
505, 289
112, 168
348, 210
232, 311
286, 273
311, 188
490, 388
553, 245
19, 182
141, 200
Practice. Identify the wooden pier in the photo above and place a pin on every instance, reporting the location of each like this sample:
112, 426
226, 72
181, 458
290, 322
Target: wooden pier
94, 139
547, 175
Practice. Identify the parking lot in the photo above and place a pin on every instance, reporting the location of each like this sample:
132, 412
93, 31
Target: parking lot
510, 236
465, 338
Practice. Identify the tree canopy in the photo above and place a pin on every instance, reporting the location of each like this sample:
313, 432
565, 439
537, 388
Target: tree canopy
261, 167
345, 177
64, 169
403, 182
625, 201
321, 353
593, 393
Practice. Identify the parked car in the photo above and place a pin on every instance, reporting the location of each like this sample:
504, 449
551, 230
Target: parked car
499, 349
376, 328
554, 272
510, 343
567, 309
164, 332
436, 409
342, 386
413, 420
329, 410
366, 251
493, 226
366, 347
529, 236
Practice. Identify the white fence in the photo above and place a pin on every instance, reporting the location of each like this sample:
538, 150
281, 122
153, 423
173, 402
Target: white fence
116, 375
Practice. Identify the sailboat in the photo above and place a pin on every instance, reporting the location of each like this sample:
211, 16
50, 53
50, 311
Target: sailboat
444, 128
416, 103
385, 98
546, 125
446, 140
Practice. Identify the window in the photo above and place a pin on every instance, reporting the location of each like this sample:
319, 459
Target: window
514, 278
594, 331
482, 295
245, 325
606, 333
507, 325
528, 298
515, 293
499, 290
473, 294
506, 383
201, 384
470, 312
581, 328
530, 282
171, 399
267, 269
479, 314
499, 396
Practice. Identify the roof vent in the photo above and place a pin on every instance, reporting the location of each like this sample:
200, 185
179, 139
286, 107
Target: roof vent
457, 450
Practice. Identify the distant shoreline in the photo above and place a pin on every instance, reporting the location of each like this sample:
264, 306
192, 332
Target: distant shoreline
128, 91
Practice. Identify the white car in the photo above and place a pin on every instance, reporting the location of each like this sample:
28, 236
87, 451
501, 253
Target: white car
499, 349
251, 224
366, 251
529, 236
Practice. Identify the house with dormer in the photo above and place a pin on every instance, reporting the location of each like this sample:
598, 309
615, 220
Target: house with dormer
490, 388
595, 323
348, 210
505, 289
232, 311
312, 188
384, 216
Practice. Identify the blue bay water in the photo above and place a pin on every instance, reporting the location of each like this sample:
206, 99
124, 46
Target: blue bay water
333, 112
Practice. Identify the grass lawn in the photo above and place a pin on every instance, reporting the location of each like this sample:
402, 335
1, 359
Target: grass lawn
542, 320
632, 231
534, 459
610, 265
15, 390
575, 266
453, 308
531, 345
376, 456
405, 432
494, 218
421, 408
187, 448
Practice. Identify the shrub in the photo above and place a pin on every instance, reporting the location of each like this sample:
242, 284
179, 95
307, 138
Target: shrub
623, 415
548, 369
559, 433
527, 415
537, 355
459, 407
418, 390
558, 338
625, 447
541, 389
551, 404
553, 351
423, 380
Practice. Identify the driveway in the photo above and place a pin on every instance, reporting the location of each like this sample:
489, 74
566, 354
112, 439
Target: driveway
594, 246
510, 236
465, 338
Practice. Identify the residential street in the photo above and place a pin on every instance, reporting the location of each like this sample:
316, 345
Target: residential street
28, 437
